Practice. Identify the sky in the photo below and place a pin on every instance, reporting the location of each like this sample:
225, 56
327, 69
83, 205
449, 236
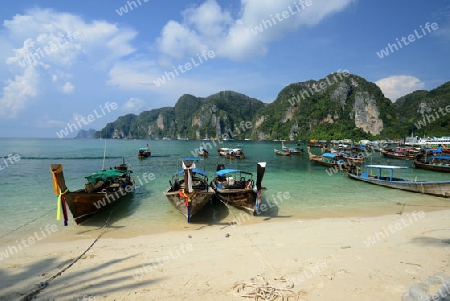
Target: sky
72, 65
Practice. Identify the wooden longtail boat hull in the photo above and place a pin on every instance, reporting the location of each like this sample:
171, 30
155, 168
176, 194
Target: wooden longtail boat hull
281, 152
239, 198
83, 204
436, 188
319, 161
203, 153
432, 167
191, 192
144, 154
198, 201
242, 193
394, 155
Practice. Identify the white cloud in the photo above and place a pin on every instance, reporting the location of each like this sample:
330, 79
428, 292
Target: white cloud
18, 92
134, 105
67, 88
397, 86
133, 75
208, 26
46, 44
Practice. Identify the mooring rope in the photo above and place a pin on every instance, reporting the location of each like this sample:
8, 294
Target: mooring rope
44, 284
21, 226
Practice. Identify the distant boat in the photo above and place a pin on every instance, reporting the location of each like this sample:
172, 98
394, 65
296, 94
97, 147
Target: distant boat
295, 150
433, 163
102, 189
436, 188
144, 152
237, 188
399, 153
191, 192
231, 153
329, 160
281, 152
202, 151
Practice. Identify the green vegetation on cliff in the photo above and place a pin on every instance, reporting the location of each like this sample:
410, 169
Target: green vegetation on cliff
338, 106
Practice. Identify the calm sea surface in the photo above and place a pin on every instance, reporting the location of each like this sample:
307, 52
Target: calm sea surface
27, 202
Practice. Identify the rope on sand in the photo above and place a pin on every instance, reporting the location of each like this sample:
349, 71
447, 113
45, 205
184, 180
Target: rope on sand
260, 289
44, 284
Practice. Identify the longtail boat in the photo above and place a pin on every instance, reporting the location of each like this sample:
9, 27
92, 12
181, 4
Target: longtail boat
231, 153
102, 190
238, 189
281, 152
332, 160
400, 154
295, 150
433, 163
189, 190
202, 151
384, 176
144, 152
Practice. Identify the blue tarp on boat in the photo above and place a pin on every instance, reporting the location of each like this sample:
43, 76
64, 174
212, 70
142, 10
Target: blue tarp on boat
328, 155
195, 170
441, 157
225, 171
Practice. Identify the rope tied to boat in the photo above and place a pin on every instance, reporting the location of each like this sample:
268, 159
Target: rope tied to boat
186, 196
61, 206
42, 285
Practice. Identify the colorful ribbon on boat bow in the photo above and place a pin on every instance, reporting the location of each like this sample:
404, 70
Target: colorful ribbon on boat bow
186, 196
61, 206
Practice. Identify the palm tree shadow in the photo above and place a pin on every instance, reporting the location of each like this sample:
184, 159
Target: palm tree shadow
95, 280
432, 241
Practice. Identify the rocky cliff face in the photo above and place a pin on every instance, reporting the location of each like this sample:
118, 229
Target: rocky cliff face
367, 114
219, 115
331, 108
338, 106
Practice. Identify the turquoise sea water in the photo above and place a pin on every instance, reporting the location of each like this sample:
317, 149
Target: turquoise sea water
27, 201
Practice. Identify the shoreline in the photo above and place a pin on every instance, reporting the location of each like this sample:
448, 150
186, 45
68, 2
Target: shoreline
326, 259
210, 218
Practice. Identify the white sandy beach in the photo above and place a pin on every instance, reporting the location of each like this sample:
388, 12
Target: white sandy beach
324, 259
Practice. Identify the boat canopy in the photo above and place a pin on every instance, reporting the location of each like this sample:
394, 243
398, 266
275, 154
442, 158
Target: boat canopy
195, 170
386, 167
223, 172
441, 157
328, 155
143, 148
104, 175
389, 168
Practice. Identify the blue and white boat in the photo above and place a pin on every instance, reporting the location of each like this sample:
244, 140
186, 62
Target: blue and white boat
383, 175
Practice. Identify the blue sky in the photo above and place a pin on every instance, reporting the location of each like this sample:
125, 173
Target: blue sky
88, 62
